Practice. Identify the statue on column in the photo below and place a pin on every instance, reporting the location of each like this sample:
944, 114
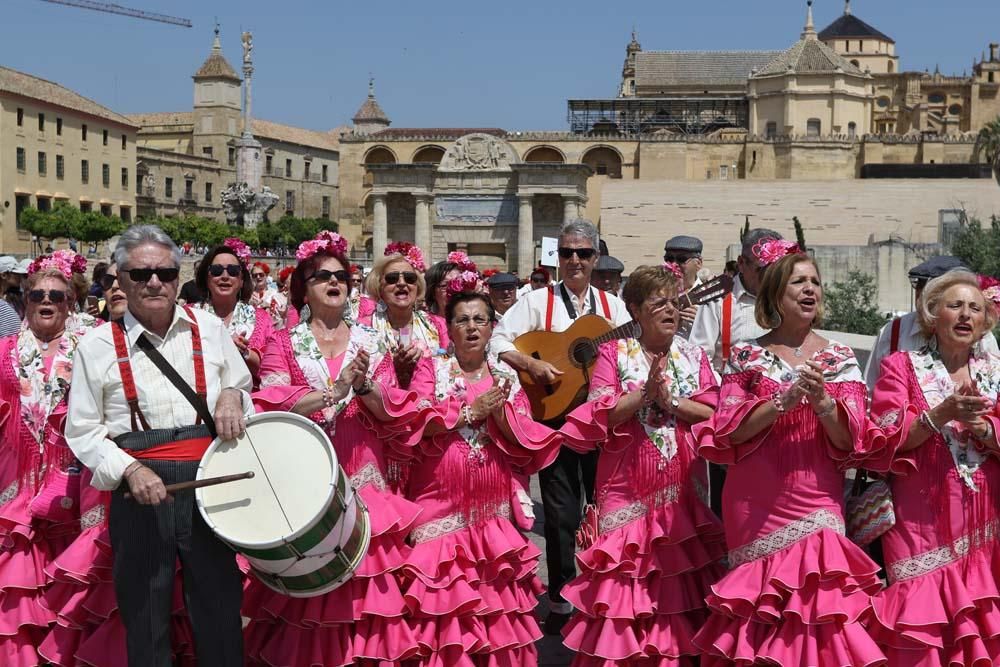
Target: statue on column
247, 40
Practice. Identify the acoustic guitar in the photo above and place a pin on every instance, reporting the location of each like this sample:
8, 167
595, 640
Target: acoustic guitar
574, 352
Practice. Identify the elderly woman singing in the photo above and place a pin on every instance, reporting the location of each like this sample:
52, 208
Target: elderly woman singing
937, 407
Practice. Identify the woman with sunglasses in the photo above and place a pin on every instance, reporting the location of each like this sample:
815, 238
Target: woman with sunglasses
224, 276
652, 547
471, 587
397, 331
304, 371
38, 475
791, 418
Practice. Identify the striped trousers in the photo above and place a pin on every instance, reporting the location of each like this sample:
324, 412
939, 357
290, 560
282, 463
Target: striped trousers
147, 541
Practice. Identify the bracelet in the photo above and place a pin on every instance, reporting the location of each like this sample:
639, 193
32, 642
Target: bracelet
129, 473
778, 405
828, 411
366, 388
467, 413
328, 397
647, 400
928, 423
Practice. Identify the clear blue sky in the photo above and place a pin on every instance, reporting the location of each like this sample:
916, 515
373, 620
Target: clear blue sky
438, 63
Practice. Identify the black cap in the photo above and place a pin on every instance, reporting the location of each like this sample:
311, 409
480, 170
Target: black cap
502, 280
935, 266
685, 244
609, 263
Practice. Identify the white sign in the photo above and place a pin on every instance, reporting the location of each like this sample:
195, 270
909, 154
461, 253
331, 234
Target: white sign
550, 250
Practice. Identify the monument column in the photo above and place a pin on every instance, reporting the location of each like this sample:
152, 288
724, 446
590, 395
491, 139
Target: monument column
422, 226
571, 208
525, 236
380, 228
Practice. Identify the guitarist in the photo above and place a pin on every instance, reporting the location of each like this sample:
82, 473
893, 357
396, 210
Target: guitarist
563, 482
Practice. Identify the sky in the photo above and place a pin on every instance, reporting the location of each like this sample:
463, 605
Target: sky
438, 63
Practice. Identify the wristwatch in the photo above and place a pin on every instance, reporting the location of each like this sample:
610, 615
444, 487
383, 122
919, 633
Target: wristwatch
365, 388
674, 404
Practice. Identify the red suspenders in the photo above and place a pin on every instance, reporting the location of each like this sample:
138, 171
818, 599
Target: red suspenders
128, 380
550, 305
727, 326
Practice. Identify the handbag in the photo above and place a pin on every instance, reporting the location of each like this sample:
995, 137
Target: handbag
58, 499
870, 513
589, 528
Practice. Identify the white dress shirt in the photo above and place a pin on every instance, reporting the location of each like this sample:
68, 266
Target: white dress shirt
708, 324
528, 314
97, 407
910, 339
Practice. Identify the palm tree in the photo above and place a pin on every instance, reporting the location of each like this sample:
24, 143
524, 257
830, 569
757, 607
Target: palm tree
989, 144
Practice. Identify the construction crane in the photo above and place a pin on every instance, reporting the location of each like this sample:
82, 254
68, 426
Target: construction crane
124, 11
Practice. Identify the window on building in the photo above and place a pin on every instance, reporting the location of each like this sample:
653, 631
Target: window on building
206, 150
950, 221
168, 188
232, 156
208, 192
83, 132
124, 142
771, 130
60, 167
288, 168
326, 208
852, 130
290, 202
105, 137
602, 169
20, 117
139, 178
325, 172
106, 210
126, 215
22, 160
41, 122
44, 204
305, 174
106, 175
724, 172
188, 188
861, 45
847, 46
21, 202
86, 207
890, 67
990, 79
124, 178
268, 164
84, 172
631, 85
58, 127
42, 163
813, 127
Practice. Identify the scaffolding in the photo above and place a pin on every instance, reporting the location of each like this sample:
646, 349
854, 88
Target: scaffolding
679, 115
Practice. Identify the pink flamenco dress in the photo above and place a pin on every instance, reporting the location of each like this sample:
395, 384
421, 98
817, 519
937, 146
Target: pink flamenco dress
798, 587
252, 324
471, 586
654, 547
942, 606
361, 622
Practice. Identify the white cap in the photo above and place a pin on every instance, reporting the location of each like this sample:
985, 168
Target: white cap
22, 266
7, 264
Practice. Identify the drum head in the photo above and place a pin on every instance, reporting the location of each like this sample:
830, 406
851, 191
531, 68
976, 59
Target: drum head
295, 476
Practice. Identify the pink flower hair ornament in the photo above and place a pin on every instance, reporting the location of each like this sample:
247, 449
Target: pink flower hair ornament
66, 262
240, 249
327, 242
467, 281
990, 288
410, 253
674, 268
770, 251
461, 261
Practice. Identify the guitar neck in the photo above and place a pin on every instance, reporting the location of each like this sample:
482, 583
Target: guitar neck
627, 330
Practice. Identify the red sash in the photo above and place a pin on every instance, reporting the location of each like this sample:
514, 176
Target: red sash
179, 450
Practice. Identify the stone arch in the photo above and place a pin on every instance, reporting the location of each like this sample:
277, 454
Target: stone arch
380, 155
428, 154
604, 160
544, 153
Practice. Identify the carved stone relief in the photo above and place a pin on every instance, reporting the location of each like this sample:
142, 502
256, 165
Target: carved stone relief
478, 152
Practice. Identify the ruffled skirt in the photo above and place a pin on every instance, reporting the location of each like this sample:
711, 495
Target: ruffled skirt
949, 616
798, 606
640, 597
471, 596
359, 621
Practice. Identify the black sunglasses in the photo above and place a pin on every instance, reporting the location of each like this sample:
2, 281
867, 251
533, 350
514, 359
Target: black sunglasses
582, 253
409, 276
324, 275
218, 269
166, 274
38, 295
108, 281
678, 259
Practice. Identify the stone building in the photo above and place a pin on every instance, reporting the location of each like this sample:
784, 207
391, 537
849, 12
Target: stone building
815, 111
56, 145
187, 158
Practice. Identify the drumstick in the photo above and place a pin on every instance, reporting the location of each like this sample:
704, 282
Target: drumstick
210, 481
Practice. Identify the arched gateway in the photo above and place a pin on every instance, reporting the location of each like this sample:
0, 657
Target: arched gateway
481, 198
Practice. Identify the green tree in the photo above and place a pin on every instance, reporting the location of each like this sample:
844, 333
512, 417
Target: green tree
852, 305
978, 246
93, 227
989, 141
800, 236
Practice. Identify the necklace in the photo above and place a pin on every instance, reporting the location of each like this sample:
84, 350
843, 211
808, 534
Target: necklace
44, 344
797, 351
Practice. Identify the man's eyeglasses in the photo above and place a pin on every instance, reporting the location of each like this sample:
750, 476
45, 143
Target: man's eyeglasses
324, 275
165, 274
393, 277
477, 321
678, 259
582, 253
38, 295
108, 281
234, 270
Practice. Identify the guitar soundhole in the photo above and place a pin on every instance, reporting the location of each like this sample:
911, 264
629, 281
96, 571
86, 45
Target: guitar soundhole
584, 352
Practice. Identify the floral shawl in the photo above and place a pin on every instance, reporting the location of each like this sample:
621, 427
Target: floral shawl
379, 338
838, 362
314, 366
41, 392
243, 321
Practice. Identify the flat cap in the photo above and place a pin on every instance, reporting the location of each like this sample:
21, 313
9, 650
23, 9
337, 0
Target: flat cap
7, 264
688, 244
936, 266
609, 263
502, 280
22, 266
